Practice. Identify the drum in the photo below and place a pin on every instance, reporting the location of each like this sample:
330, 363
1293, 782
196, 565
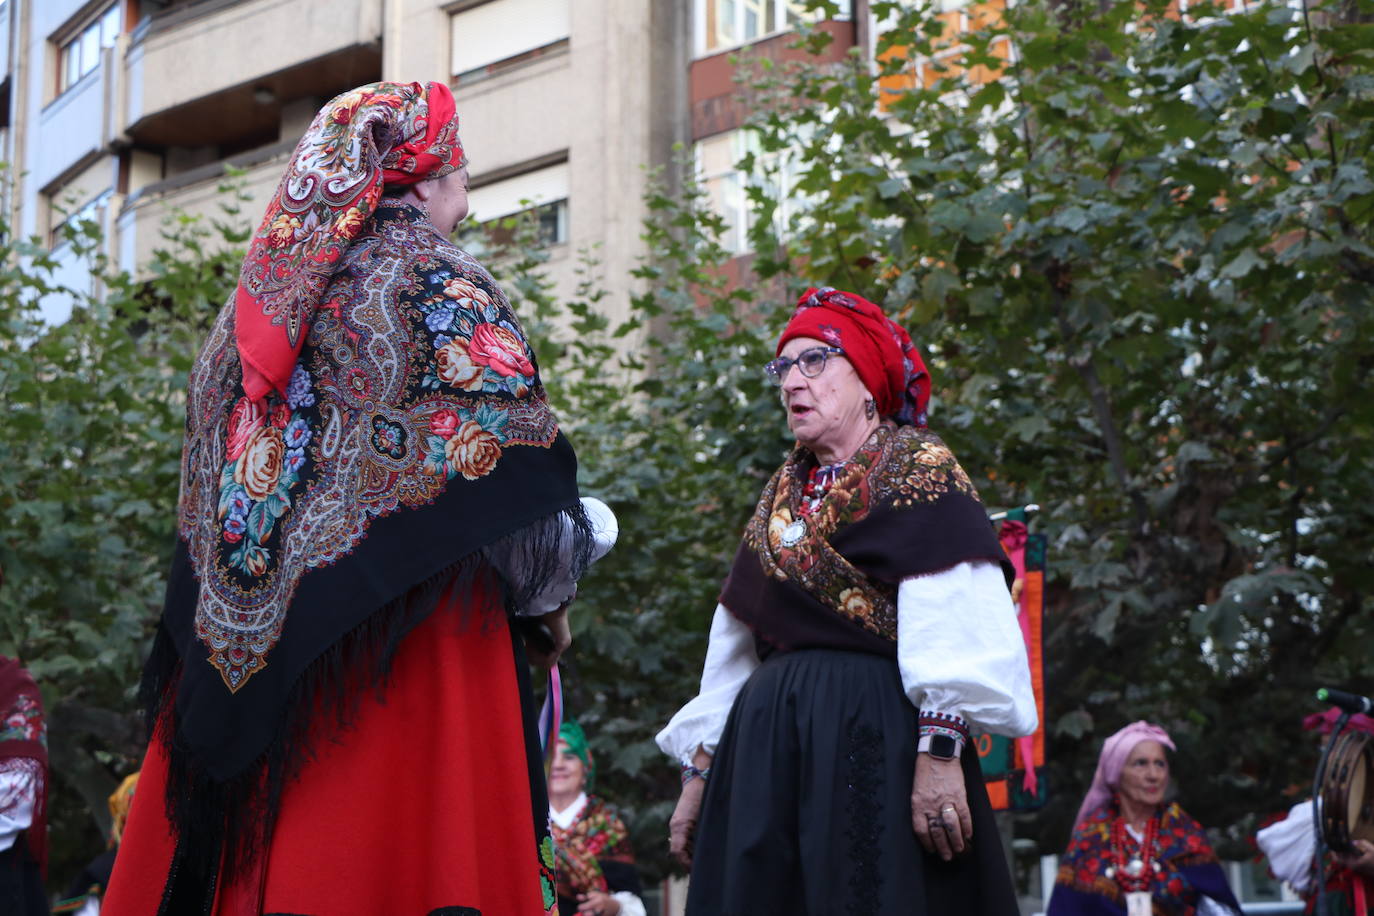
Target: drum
1347, 792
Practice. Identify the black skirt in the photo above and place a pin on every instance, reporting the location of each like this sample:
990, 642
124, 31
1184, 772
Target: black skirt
808, 806
21, 883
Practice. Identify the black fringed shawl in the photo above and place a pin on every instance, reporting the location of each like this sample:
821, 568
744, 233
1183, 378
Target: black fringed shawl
828, 577
316, 530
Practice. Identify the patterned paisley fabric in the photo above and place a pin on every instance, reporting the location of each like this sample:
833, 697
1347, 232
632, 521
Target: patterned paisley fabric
824, 569
382, 133
1186, 867
319, 524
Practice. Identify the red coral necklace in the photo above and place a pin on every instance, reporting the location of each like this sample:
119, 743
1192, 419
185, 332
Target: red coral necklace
1137, 873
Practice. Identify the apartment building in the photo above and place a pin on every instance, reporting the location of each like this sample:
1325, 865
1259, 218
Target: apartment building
126, 111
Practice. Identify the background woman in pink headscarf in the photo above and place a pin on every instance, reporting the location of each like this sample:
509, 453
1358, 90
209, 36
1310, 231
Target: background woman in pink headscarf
1132, 852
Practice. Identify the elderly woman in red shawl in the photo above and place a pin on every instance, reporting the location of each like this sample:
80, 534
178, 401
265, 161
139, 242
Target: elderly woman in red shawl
373, 485
1132, 852
23, 792
866, 628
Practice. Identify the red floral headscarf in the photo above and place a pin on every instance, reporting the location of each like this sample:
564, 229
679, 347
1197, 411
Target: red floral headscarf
369, 137
880, 350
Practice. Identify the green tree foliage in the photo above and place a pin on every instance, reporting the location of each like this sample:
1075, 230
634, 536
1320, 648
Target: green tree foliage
90, 441
1139, 261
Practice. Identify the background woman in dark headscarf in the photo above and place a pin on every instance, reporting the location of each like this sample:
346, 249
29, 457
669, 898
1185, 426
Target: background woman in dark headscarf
23, 792
865, 627
372, 483
1131, 852
595, 864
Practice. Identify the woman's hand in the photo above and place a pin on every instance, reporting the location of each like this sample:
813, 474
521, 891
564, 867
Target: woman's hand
939, 806
1361, 860
682, 826
557, 625
595, 903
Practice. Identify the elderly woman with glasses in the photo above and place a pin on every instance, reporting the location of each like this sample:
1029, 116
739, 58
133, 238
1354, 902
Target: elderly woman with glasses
865, 629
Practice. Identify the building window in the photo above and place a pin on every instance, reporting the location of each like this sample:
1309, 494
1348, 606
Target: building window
63, 214
500, 32
725, 24
727, 186
80, 54
541, 192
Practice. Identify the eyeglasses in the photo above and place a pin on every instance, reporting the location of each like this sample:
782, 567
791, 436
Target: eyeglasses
811, 363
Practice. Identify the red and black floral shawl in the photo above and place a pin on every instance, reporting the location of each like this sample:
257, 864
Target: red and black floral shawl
1186, 867
317, 526
594, 854
828, 577
24, 746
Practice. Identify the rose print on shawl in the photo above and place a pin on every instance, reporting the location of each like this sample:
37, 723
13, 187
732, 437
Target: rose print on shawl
465, 442
359, 140
25, 721
265, 462
477, 350
499, 349
385, 404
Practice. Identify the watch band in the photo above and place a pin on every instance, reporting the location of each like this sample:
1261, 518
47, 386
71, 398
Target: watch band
940, 746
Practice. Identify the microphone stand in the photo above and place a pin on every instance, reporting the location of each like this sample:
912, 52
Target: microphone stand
1320, 859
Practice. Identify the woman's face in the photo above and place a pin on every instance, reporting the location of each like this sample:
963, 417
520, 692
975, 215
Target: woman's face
448, 200
825, 413
1145, 777
567, 775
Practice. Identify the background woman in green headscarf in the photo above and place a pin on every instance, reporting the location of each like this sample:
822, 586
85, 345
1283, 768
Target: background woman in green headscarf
595, 865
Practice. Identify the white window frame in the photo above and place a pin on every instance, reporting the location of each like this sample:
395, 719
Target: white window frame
541, 190
504, 30
78, 54
779, 166
741, 10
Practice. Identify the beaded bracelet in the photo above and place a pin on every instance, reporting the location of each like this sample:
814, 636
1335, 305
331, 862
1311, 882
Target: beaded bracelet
942, 723
690, 772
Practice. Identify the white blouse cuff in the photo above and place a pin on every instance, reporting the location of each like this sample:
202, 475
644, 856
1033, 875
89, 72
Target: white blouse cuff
730, 660
18, 793
630, 905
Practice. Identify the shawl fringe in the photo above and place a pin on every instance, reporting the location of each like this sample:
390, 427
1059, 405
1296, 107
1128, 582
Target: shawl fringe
244, 807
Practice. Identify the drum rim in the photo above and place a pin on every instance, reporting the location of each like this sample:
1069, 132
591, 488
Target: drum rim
1352, 749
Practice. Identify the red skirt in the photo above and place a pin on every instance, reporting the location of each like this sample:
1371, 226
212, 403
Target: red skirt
424, 806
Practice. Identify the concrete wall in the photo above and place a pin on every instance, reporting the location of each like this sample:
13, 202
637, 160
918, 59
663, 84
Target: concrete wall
610, 100
238, 43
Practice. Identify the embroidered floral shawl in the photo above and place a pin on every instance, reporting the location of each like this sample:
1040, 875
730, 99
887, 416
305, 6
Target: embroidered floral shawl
594, 854
318, 526
902, 506
1187, 868
24, 748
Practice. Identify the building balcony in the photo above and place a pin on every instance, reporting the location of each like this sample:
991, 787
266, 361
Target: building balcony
266, 54
143, 215
77, 126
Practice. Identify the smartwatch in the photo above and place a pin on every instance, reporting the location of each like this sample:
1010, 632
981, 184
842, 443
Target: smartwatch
941, 747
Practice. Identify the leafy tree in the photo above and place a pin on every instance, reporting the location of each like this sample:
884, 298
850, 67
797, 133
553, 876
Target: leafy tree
1140, 256
90, 442
1139, 260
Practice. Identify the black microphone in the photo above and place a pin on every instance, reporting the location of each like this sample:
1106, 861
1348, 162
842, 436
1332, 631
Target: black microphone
1349, 702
